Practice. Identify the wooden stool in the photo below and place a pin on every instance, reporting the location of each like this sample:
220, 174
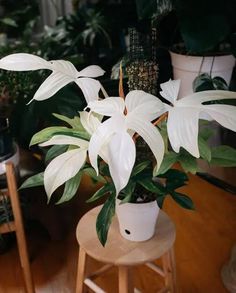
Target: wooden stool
17, 225
124, 254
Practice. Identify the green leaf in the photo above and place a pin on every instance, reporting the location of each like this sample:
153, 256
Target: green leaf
204, 149
73, 122
33, 181
9, 21
140, 167
220, 83
55, 151
49, 132
108, 187
149, 185
160, 200
169, 159
174, 179
205, 132
203, 82
92, 173
128, 192
104, 218
188, 162
71, 188
183, 200
224, 156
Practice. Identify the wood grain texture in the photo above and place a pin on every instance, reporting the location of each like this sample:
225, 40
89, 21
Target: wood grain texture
203, 244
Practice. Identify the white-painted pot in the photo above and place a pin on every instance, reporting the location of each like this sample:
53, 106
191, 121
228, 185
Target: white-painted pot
137, 221
187, 68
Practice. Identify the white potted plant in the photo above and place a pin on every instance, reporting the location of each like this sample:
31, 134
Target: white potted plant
100, 142
199, 34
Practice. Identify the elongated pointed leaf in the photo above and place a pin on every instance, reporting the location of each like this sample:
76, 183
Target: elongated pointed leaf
23, 61
33, 181
121, 159
63, 168
92, 174
91, 71
224, 156
66, 140
140, 167
71, 188
55, 151
108, 187
49, 132
108, 107
168, 161
73, 122
104, 219
204, 149
90, 88
183, 200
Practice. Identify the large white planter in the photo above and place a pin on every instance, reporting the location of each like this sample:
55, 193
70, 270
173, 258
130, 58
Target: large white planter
137, 221
187, 68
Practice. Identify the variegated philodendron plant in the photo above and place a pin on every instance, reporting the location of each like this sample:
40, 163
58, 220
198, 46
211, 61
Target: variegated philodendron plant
100, 141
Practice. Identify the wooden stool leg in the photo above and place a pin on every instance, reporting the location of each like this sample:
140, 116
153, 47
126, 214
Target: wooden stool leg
168, 260
20, 233
125, 280
81, 270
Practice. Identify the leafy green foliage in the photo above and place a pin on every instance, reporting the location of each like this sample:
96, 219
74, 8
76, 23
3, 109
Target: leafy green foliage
55, 151
33, 181
224, 156
93, 175
204, 82
71, 187
104, 218
49, 132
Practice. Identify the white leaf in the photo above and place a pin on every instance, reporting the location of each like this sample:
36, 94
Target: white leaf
170, 90
91, 71
102, 136
63, 168
225, 115
64, 67
108, 107
65, 140
89, 121
90, 88
23, 61
122, 155
151, 136
51, 85
196, 99
143, 104
182, 127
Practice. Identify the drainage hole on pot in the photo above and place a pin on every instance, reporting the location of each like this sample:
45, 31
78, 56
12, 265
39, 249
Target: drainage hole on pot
127, 231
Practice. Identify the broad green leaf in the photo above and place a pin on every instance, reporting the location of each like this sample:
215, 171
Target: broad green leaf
204, 149
174, 174
33, 181
188, 162
205, 132
149, 185
128, 192
169, 159
183, 200
55, 151
104, 218
140, 167
108, 187
73, 122
9, 21
49, 132
92, 173
224, 156
71, 188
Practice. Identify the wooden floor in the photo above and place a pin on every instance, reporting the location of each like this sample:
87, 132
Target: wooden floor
203, 244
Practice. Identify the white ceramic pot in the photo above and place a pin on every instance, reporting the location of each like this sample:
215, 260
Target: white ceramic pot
187, 68
137, 221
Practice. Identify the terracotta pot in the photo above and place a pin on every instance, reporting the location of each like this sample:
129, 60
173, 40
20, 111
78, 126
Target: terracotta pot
137, 221
187, 68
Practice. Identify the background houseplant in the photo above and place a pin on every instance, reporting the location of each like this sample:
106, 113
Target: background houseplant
108, 131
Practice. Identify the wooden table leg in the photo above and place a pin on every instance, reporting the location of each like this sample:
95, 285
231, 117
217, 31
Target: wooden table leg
81, 270
125, 280
168, 260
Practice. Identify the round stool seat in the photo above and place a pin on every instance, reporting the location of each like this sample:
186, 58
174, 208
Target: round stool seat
119, 251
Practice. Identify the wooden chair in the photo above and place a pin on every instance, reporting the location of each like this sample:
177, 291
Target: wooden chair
125, 254
16, 225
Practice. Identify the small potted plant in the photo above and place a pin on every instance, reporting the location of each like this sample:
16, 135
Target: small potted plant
100, 142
